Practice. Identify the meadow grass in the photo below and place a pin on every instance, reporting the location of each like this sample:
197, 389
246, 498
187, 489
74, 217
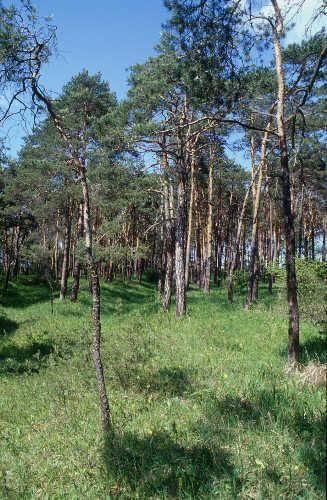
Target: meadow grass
202, 407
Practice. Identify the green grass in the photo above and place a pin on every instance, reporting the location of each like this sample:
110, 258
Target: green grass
202, 406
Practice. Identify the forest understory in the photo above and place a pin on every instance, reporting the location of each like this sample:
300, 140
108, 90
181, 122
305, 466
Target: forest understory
202, 406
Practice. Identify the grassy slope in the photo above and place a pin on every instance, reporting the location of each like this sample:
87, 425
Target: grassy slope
202, 406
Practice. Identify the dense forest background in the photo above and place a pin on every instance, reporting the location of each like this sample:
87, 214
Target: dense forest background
144, 191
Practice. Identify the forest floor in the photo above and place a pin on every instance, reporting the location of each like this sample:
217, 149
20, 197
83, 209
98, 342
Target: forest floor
202, 407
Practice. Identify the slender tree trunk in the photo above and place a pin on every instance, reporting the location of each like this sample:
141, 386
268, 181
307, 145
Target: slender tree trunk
110, 272
293, 329
168, 205
207, 265
198, 237
190, 218
55, 250
160, 258
216, 247
313, 243
92, 269
230, 281
244, 248
270, 243
203, 256
77, 263
255, 288
228, 240
306, 247
180, 244
95, 290
253, 266
323, 250
16, 251
65, 262
270, 283
300, 242
277, 252
7, 277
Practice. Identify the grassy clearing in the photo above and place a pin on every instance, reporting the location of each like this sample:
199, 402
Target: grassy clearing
202, 406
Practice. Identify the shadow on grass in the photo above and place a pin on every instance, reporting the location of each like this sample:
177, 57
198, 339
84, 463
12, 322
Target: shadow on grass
172, 381
158, 466
122, 298
313, 450
269, 299
166, 382
271, 408
7, 326
241, 408
24, 295
31, 358
119, 297
314, 349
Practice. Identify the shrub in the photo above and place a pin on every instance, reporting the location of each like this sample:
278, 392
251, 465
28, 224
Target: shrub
311, 286
240, 279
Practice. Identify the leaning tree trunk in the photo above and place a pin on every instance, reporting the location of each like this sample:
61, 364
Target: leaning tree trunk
293, 328
92, 269
77, 263
65, 262
95, 290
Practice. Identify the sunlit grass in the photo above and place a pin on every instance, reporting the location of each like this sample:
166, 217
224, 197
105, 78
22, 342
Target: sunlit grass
202, 407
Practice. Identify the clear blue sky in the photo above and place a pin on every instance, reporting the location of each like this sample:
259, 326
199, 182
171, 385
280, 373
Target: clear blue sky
102, 35
99, 35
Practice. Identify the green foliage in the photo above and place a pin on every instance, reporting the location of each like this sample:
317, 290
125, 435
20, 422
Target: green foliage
36, 254
312, 289
311, 285
202, 407
310, 275
240, 280
24, 37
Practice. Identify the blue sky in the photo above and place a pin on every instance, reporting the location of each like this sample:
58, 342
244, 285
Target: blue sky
109, 36
99, 35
